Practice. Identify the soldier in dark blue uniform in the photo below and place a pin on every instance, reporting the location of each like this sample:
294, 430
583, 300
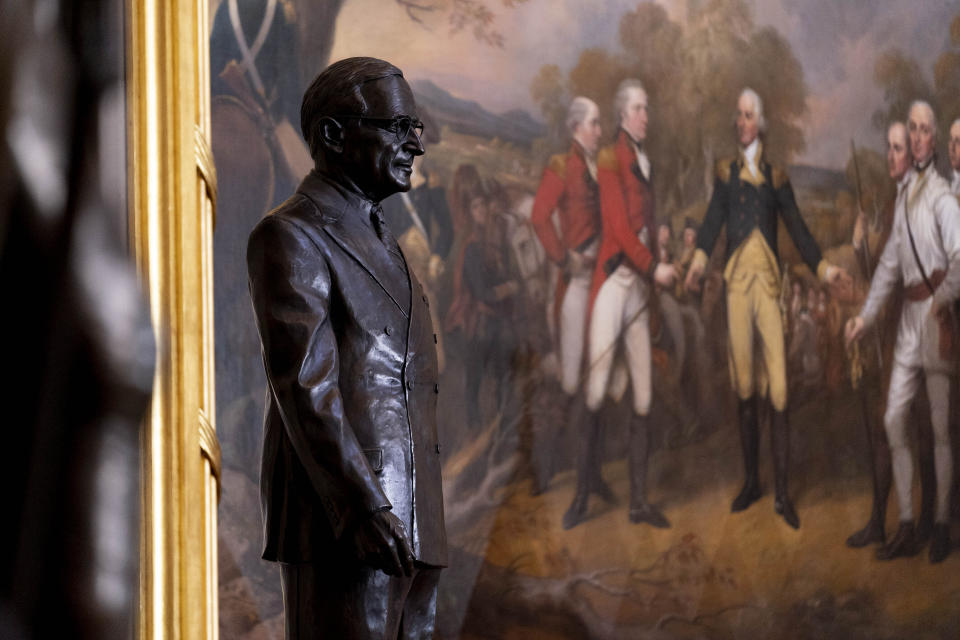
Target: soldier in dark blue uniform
749, 196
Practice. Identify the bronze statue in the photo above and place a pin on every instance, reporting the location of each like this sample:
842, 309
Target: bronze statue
350, 478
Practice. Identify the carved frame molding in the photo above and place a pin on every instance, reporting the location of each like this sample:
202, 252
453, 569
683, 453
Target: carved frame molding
172, 196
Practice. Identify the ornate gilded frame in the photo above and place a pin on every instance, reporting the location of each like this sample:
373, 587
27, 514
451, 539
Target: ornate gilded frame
172, 187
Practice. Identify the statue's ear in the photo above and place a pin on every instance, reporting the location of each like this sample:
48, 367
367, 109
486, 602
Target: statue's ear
332, 134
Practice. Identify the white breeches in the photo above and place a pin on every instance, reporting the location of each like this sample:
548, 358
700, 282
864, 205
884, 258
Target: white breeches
904, 384
620, 317
573, 319
918, 338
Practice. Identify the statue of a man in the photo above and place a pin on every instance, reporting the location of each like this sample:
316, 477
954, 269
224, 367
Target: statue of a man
350, 478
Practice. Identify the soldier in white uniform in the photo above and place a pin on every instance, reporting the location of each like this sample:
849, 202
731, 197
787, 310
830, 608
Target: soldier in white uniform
923, 251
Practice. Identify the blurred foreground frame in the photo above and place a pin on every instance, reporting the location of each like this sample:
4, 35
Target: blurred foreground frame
107, 195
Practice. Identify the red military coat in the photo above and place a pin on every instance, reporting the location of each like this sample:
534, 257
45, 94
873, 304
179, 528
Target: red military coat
567, 186
627, 207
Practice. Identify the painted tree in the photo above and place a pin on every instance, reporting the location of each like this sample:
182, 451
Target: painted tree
317, 23
548, 92
946, 76
693, 73
903, 81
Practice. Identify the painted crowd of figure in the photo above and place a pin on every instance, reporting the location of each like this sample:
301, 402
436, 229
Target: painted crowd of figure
620, 277
619, 281
918, 268
627, 306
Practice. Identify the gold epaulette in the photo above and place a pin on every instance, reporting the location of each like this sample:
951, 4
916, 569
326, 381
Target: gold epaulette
607, 159
558, 164
780, 176
723, 169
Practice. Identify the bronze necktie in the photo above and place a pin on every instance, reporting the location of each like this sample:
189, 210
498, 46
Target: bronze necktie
386, 237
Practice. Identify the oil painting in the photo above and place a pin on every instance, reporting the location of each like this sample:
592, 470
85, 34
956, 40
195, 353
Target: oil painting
691, 266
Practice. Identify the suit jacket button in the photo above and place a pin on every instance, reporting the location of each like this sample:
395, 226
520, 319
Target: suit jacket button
434, 338
386, 330
410, 384
438, 448
425, 301
436, 387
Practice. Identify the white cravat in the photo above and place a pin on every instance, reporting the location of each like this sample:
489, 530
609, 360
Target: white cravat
591, 161
955, 182
591, 166
750, 155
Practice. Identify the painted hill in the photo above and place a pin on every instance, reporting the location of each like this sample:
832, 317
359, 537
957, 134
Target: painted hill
809, 177
466, 116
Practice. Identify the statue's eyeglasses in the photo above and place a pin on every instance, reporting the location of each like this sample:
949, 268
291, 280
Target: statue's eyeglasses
400, 125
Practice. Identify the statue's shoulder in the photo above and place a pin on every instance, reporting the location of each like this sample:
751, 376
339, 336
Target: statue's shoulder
307, 214
607, 158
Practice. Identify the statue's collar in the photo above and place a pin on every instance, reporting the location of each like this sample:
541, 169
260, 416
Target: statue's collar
332, 197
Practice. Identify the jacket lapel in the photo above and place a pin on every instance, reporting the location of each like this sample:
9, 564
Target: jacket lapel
366, 249
635, 168
629, 150
341, 213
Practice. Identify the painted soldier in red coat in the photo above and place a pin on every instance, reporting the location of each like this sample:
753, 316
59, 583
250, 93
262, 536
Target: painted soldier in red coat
625, 272
569, 189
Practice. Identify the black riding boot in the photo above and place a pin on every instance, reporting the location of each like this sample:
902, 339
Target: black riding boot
640, 509
597, 484
586, 458
542, 453
780, 443
749, 443
882, 478
928, 481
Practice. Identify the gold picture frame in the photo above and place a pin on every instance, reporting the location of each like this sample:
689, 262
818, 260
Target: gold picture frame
172, 186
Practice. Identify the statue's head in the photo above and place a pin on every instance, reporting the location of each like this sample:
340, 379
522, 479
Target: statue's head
361, 123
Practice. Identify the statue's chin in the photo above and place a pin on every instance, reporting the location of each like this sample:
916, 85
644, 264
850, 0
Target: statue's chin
401, 179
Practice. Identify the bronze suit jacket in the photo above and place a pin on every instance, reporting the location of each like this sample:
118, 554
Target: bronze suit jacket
348, 347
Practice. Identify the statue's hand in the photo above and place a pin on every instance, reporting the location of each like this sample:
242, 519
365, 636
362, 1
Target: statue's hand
381, 541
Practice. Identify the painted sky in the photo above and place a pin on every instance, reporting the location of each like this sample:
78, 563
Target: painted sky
836, 41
